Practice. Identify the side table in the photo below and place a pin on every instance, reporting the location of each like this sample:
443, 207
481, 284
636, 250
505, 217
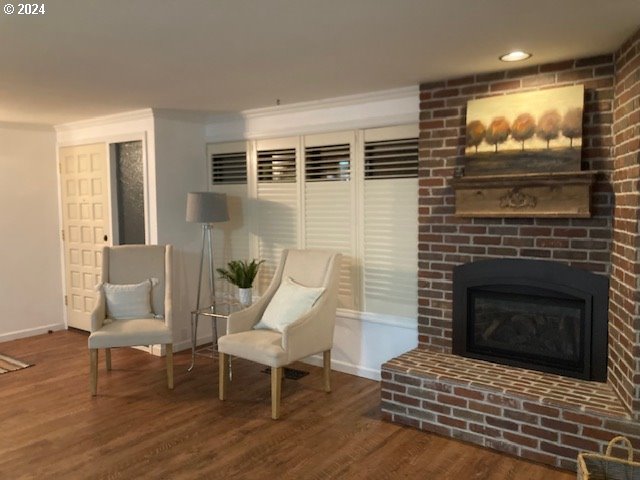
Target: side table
219, 309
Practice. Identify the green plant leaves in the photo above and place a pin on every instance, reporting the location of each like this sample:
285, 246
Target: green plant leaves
241, 273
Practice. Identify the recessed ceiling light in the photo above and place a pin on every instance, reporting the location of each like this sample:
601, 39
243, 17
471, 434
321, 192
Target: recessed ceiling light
515, 56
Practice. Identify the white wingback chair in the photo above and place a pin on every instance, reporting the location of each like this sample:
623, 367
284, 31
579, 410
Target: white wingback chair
126, 265
311, 333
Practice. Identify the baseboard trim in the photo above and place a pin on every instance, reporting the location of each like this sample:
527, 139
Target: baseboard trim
378, 319
315, 360
30, 332
345, 367
158, 350
186, 344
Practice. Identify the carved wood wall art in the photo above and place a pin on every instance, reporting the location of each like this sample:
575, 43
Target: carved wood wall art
566, 194
516, 199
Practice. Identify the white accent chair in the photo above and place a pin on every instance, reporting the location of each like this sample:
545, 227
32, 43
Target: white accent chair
130, 264
310, 334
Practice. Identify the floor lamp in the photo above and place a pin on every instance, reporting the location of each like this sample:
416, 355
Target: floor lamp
206, 208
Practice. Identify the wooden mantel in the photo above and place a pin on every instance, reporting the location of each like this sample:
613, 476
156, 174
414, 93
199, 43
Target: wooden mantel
558, 195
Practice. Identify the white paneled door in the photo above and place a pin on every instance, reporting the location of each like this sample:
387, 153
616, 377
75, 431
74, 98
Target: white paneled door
84, 178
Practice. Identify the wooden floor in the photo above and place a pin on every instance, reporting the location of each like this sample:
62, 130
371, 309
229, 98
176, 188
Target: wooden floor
50, 427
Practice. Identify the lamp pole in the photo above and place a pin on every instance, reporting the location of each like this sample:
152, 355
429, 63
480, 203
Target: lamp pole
205, 208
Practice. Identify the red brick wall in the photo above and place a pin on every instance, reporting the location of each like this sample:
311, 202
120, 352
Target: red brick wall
607, 243
446, 241
624, 296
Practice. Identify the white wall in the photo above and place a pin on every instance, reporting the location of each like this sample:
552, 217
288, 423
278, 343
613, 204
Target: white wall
362, 343
180, 168
30, 273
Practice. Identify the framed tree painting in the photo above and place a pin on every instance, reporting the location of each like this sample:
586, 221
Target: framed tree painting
528, 132
522, 157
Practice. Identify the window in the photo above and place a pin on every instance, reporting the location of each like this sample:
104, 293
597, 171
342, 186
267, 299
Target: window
390, 224
130, 193
277, 165
391, 158
329, 214
228, 174
277, 203
355, 192
327, 163
229, 168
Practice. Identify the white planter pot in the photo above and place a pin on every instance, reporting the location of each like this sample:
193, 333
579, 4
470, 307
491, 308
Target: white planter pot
245, 295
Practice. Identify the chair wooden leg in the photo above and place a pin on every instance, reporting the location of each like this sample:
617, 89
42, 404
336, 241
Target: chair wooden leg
169, 351
223, 375
93, 371
107, 358
326, 360
276, 391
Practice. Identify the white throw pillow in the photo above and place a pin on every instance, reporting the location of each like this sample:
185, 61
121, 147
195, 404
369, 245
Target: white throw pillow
129, 300
288, 304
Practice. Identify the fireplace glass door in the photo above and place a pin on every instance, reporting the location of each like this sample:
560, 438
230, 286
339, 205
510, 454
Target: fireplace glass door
533, 314
545, 329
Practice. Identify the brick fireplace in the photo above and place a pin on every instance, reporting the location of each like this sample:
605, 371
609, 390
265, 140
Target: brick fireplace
541, 416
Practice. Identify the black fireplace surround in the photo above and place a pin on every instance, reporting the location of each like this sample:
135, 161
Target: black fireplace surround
534, 314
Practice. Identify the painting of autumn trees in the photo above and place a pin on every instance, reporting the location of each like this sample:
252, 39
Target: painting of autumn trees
542, 124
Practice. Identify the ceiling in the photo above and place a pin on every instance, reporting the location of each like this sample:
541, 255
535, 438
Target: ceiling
85, 58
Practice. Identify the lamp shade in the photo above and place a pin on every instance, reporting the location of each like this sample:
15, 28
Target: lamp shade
207, 207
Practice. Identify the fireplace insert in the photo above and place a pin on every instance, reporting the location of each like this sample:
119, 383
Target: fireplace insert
534, 314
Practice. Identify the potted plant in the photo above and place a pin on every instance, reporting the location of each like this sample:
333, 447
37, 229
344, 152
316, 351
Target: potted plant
241, 273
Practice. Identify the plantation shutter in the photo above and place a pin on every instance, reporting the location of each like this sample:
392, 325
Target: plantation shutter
328, 205
228, 174
390, 236
229, 168
277, 205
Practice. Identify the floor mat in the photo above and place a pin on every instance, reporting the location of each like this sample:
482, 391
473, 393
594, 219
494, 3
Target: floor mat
10, 364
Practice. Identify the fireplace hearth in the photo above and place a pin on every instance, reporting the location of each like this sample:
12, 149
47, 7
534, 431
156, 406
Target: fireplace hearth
534, 314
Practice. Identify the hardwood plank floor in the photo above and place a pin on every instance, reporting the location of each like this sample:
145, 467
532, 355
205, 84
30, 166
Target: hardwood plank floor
50, 426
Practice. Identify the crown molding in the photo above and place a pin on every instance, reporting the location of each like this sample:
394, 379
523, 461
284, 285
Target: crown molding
259, 133
143, 114
368, 110
345, 101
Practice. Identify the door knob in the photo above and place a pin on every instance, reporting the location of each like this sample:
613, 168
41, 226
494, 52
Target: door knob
105, 238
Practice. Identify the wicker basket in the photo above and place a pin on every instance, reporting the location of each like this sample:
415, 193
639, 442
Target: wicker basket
593, 466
